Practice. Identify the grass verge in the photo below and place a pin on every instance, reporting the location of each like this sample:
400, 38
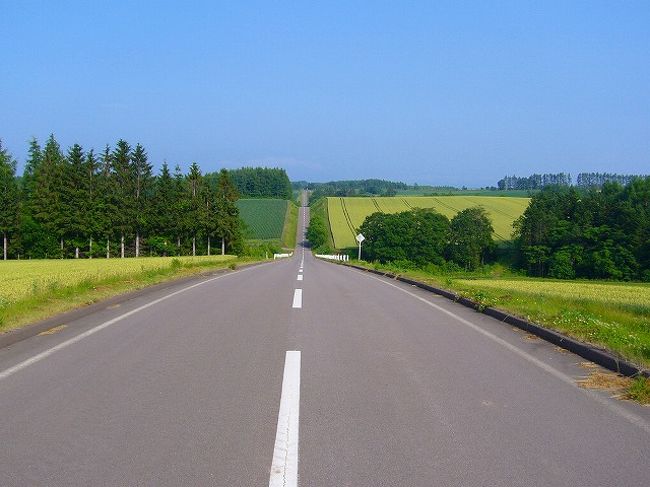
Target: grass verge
290, 229
57, 298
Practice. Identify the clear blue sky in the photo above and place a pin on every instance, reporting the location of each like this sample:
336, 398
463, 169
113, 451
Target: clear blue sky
430, 92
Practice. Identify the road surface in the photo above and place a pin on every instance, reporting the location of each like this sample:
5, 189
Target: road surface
336, 378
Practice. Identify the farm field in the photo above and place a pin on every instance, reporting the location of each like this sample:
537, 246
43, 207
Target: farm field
23, 278
264, 218
347, 214
31, 290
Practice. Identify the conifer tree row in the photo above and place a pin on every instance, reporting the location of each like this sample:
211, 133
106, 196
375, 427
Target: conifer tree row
82, 205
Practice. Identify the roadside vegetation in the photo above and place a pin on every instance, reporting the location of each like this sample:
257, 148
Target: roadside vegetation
36, 289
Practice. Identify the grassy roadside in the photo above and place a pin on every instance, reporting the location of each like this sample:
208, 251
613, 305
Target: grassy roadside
290, 228
320, 208
57, 298
606, 319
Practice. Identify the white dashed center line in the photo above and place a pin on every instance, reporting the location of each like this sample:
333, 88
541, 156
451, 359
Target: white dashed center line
297, 299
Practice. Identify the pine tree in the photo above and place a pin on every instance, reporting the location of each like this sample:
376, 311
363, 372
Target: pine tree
124, 190
48, 195
162, 208
195, 212
92, 212
75, 197
228, 223
179, 206
9, 199
107, 201
142, 182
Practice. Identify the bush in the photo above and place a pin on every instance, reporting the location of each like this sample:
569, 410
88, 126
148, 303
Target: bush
562, 266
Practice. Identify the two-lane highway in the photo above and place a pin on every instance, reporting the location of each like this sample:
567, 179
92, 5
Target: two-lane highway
301, 372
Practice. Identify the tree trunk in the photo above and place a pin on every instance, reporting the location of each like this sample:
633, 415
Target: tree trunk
4, 246
76, 252
122, 246
108, 248
90, 248
208, 244
223, 246
194, 246
62, 248
137, 244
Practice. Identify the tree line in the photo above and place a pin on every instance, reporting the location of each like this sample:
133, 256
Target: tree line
360, 187
584, 180
600, 233
83, 204
258, 182
534, 182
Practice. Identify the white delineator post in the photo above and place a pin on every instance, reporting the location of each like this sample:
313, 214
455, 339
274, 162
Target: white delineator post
360, 238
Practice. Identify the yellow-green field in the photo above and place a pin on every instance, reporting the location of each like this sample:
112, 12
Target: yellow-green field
347, 214
22, 278
636, 296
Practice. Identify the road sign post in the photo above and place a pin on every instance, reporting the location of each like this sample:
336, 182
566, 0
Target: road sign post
360, 238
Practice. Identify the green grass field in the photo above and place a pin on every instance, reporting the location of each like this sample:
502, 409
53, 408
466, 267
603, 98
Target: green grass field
264, 218
347, 214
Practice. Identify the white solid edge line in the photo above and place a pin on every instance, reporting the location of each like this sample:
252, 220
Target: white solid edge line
299, 278
38, 357
284, 466
620, 411
297, 299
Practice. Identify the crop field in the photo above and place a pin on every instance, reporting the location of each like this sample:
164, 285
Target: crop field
23, 278
347, 214
264, 218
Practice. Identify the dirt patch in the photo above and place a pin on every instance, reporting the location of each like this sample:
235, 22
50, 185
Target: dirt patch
606, 381
52, 331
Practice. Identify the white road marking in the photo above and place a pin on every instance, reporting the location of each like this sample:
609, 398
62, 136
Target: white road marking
300, 270
614, 408
37, 358
297, 298
284, 467
299, 278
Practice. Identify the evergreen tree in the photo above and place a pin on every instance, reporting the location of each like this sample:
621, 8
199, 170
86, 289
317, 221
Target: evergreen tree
179, 207
194, 215
124, 191
47, 201
229, 227
142, 182
75, 197
108, 200
92, 212
162, 212
9, 199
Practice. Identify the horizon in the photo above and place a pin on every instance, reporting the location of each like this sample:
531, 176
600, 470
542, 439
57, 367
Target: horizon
441, 95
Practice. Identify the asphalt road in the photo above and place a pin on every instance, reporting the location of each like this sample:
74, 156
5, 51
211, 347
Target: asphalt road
384, 385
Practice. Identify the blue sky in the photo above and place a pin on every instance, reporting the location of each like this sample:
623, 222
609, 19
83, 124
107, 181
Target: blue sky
454, 92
